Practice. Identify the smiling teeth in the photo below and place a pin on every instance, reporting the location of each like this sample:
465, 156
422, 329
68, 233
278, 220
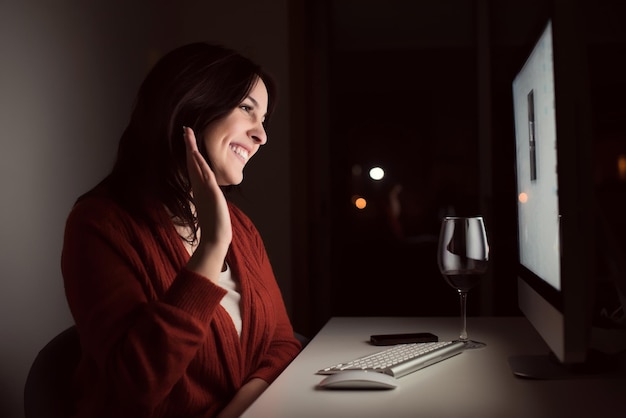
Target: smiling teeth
240, 151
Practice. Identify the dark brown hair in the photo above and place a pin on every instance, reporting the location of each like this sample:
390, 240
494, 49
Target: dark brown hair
194, 85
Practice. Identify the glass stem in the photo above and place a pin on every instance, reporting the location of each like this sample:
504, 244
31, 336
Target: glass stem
463, 298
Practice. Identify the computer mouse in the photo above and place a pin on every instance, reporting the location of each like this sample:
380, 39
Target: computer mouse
358, 379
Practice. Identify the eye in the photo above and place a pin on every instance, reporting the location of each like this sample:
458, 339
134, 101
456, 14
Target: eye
246, 108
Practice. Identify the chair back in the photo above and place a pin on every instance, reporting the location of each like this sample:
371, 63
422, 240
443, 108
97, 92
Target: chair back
47, 392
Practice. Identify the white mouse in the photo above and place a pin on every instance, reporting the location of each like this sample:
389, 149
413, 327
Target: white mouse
358, 379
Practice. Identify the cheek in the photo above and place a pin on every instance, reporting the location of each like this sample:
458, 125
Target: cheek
207, 153
210, 142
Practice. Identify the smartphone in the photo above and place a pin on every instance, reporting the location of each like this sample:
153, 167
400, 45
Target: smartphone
391, 339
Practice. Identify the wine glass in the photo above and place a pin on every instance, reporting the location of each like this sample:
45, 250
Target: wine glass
462, 256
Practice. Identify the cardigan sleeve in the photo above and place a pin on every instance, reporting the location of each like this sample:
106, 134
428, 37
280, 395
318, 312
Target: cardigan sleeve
141, 344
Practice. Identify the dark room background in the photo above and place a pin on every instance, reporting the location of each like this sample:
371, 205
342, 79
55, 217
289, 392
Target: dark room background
423, 90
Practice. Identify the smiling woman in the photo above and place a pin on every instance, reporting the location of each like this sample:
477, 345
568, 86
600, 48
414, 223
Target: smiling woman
234, 139
170, 286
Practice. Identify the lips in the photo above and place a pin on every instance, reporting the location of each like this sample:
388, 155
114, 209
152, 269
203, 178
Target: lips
240, 151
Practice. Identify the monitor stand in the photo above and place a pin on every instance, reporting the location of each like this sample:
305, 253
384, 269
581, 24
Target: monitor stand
547, 367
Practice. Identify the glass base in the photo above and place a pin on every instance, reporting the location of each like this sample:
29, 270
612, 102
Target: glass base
473, 345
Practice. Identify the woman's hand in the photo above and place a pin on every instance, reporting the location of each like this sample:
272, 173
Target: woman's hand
212, 211
247, 394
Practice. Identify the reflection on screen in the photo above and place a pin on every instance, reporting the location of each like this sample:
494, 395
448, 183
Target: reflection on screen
537, 185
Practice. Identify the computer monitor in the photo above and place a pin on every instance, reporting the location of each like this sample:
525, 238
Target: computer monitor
554, 195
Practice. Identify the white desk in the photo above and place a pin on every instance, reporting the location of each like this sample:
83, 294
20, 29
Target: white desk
476, 383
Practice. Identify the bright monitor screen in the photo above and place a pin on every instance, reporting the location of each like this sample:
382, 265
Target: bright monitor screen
536, 152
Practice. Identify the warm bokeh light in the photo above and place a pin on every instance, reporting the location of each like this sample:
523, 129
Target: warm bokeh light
621, 167
523, 197
377, 173
360, 203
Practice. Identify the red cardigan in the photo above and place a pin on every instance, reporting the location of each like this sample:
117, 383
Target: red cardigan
155, 340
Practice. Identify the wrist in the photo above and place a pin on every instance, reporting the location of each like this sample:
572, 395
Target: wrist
208, 260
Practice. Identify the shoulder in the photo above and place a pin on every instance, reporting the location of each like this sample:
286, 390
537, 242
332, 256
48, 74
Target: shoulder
98, 209
95, 206
106, 204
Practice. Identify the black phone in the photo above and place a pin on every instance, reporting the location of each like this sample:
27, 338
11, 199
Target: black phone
415, 337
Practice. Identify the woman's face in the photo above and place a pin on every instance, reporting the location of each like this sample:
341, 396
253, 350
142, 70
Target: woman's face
231, 141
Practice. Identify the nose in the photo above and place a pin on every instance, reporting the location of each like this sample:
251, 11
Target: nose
258, 134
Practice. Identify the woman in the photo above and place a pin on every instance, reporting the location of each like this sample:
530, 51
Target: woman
173, 295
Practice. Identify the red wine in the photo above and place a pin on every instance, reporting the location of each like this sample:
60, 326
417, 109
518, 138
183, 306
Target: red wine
462, 280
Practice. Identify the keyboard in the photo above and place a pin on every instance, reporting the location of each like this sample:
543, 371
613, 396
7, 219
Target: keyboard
401, 359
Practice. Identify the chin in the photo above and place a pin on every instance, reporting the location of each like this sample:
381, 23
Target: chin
233, 181
229, 179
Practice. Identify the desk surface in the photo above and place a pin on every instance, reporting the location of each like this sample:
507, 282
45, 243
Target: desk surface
476, 383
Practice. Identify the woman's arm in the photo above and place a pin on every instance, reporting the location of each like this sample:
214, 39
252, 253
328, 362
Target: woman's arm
247, 394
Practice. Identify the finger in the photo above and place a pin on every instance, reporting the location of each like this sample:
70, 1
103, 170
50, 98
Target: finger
192, 147
203, 168
199, 170
190, 140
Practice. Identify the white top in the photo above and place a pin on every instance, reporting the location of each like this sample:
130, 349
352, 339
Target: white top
230, 301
